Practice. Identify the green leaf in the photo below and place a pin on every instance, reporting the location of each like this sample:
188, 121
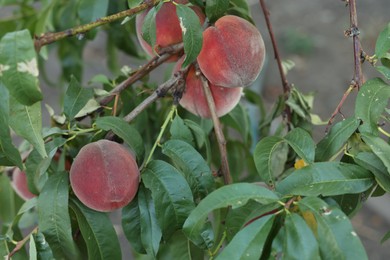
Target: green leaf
42, 247
382, 42
249, 242
134, 3
238, 218
270, 155
6, 146
302, 143
326, 179
19, 68
32, 249
370, 103
372, 163
54, 220
191, 31
384, 70
235, 195
97, 231
91, 10
26, 121
7, 200
299, 240
75, 98
125, 131
179, 130
238, 118
25, 208
171, 194
179, 247
335, 235
149, 26
131, 224
385, 237
150, 231
337, 137
201, 136
192, 164
216, 8
380, 147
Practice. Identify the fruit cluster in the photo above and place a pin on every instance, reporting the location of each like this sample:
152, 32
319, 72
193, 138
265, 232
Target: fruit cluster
231, 58
105, 175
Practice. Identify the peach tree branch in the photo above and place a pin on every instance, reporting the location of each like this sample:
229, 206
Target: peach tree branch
217, 128
285, 84
357, 50
50, 37
153, 63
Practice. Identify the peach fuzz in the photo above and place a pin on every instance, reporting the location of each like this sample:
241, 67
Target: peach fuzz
168, 30
194, 99
104, 176
19, 184
233, 52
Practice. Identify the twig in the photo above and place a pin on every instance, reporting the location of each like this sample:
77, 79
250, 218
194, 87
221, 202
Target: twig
177, 80
285, 84
21, 243
217, 128
51, 37
358, 75
156, 61
338, 108
357, 81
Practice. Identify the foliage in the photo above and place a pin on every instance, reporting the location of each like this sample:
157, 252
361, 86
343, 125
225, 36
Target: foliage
285, 196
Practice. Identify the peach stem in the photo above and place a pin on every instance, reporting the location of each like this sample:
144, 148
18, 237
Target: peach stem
218, 130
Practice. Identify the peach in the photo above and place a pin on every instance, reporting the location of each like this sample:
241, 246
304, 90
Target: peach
232, 53
19, 184
104, 176
194, 99
168, 30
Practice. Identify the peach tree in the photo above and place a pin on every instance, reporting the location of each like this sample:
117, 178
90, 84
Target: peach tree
176, 157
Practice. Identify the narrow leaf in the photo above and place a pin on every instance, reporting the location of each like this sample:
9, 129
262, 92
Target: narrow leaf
299, 240
326, 179
7, 148
90, 10
75, 98
7, 200
19, 68
235, 195
191, 31
171, 195
380, 147
42, 247
150, 231
26, 121
98, 233
337, 137
216, 8
372, 163
336, 237
131, 224
269, 155
383, 43
149, 26
54, 220
370, 103
179, 130
192, 164
125, 131
249, 242
302, 143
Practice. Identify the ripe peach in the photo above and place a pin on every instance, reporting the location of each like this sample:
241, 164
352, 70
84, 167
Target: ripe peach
232, 53
194, 99
19, 183
168, 30
104, 176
